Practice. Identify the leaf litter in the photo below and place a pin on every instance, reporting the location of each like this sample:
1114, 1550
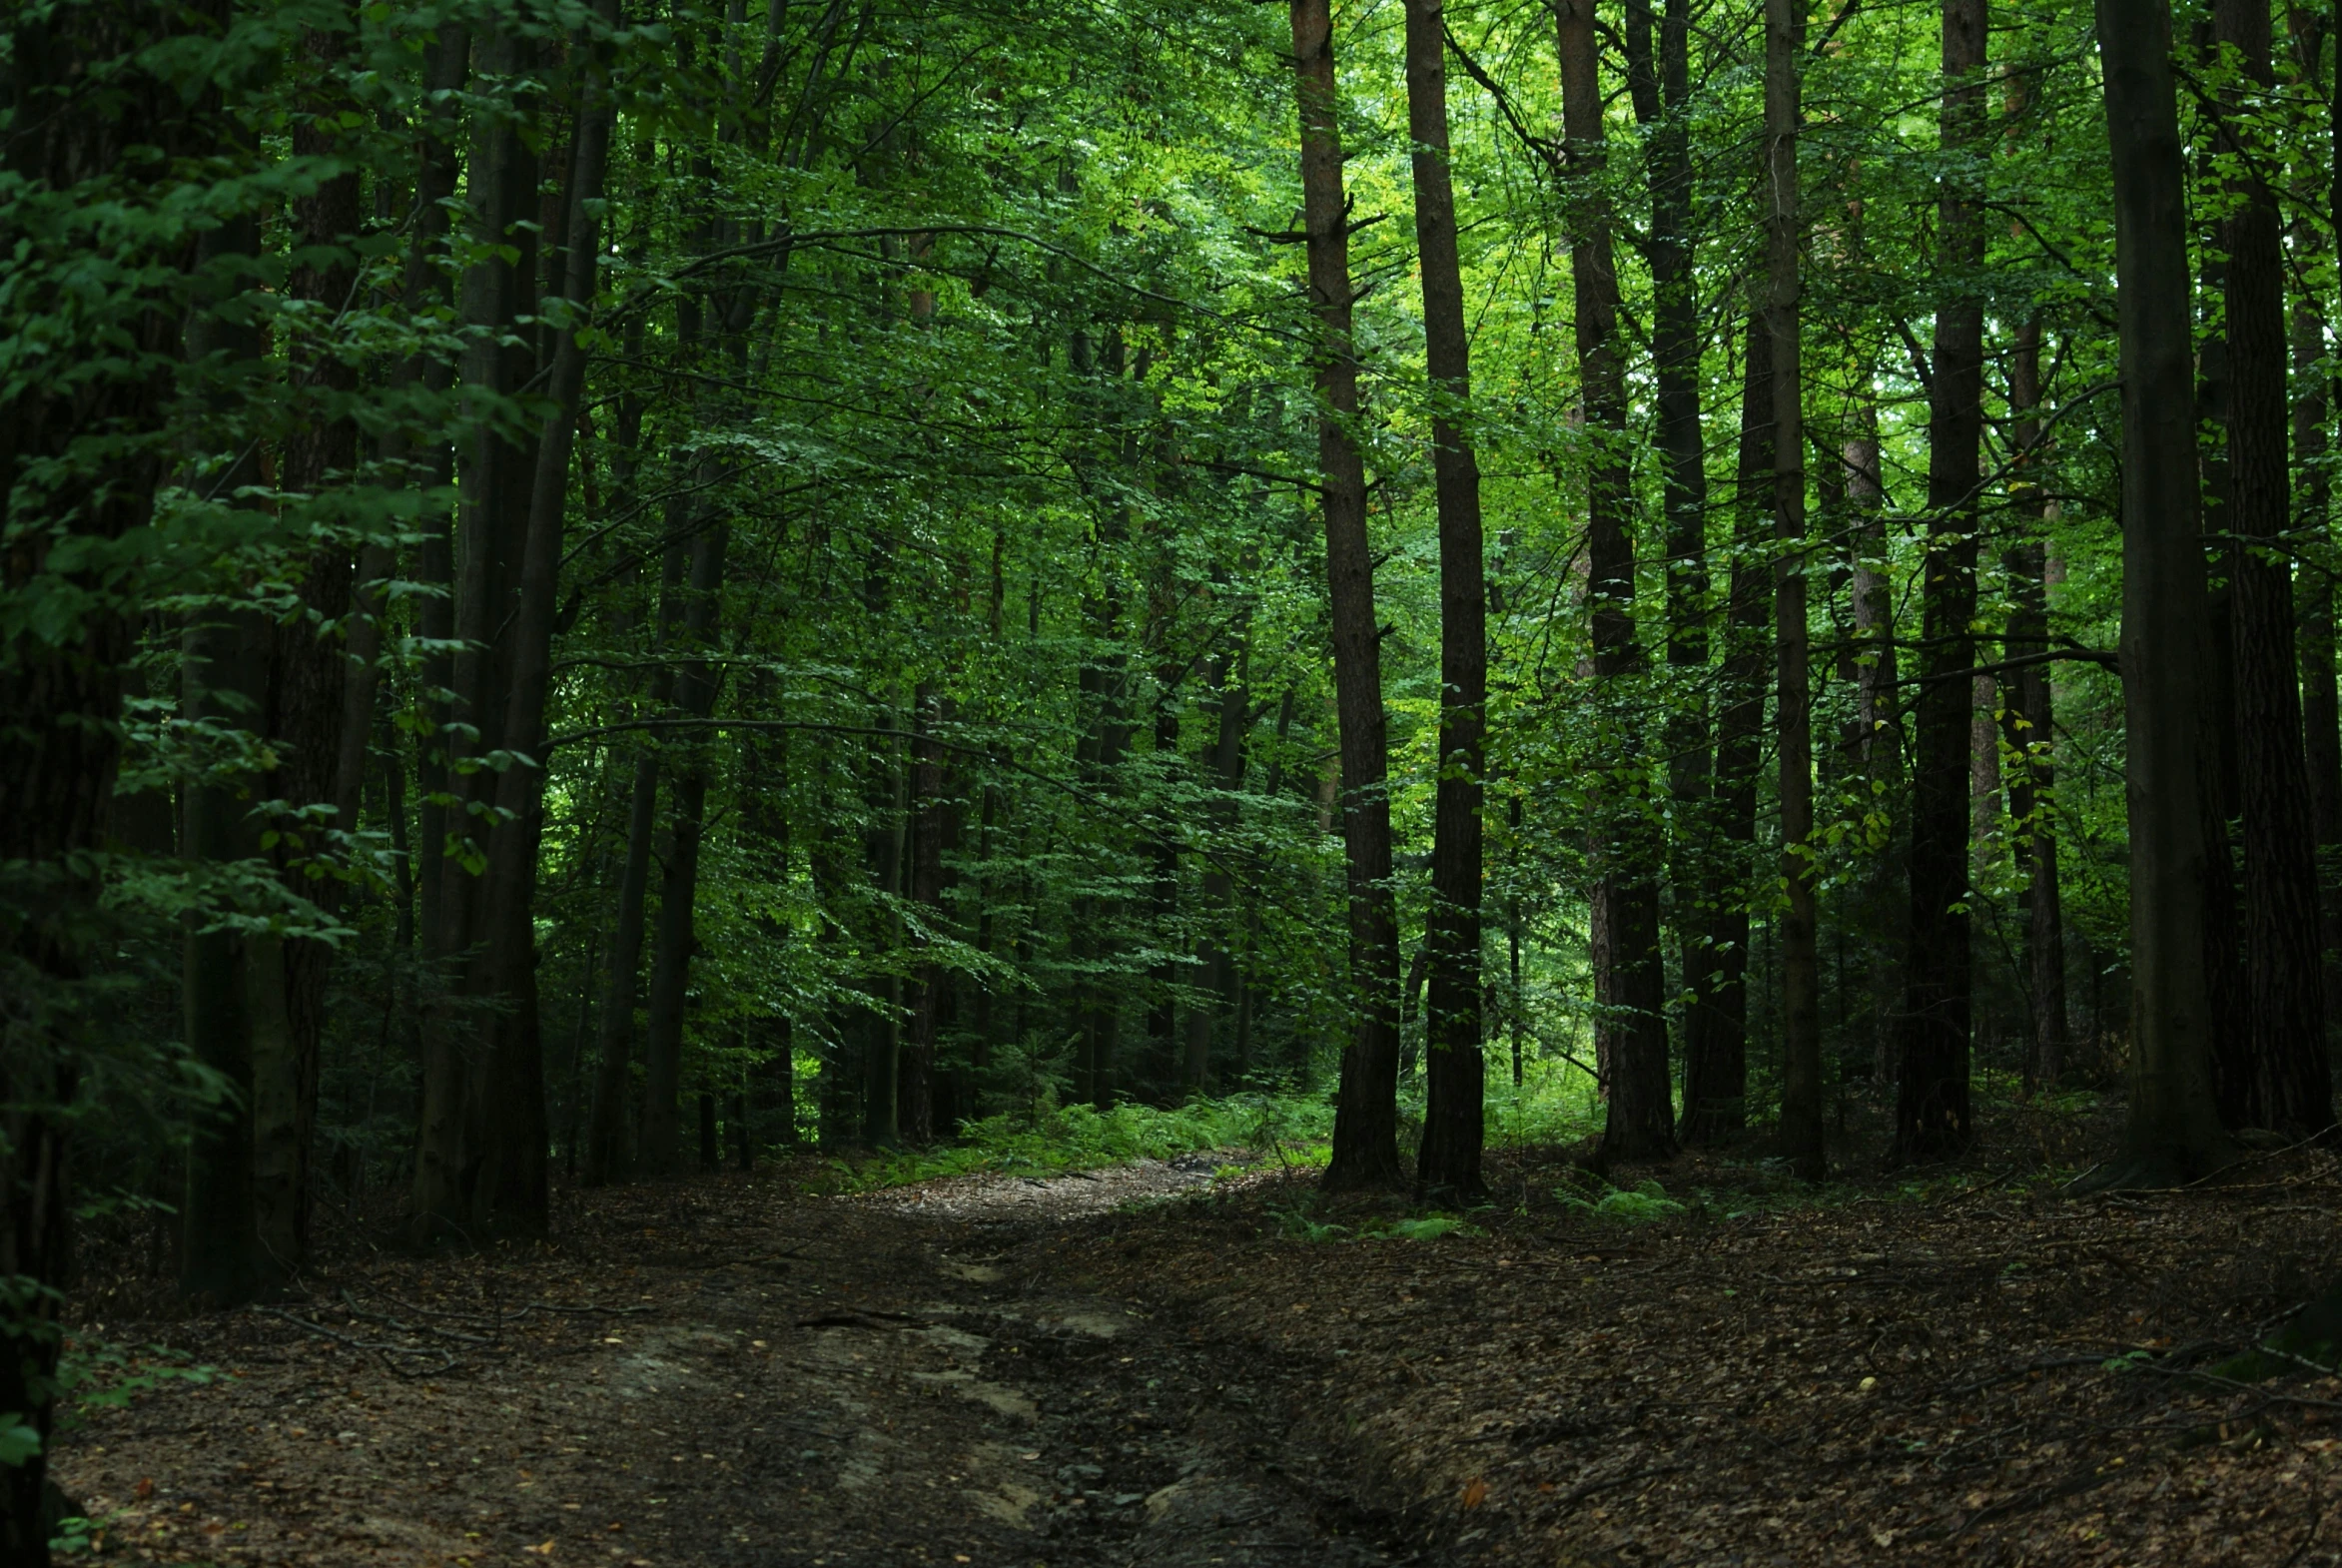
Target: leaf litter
1197, 1368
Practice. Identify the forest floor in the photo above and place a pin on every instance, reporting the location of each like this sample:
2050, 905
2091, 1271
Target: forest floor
1165, 1366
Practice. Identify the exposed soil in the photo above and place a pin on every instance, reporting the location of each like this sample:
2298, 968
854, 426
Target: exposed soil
729, 1372
1149, 1368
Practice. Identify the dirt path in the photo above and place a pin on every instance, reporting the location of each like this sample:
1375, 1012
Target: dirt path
721, 1374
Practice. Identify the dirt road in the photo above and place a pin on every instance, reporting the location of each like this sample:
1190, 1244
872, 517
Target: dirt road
726, 1373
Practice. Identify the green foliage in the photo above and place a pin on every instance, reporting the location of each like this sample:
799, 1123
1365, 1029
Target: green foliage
1079, 1138
1644, 1202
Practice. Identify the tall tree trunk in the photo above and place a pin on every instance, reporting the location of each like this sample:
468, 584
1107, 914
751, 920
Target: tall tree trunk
1931, 1115
1448, 1162
2321, 712
696, 682
2290, 1087
1223, 761
224, 656
1879, 723
1660, 88
2172, 1135
1365, 1126
502, 175
607, 1153
1716, 1076
2026, 719
61, 687
1800, 1019
307, 676
512, 1190
1630, 984
928, 826
2322, 750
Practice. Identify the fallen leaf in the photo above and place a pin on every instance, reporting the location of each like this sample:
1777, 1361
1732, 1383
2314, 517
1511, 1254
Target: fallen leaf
1475, 1492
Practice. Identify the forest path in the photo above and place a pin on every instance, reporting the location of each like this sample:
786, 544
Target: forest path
925, 1375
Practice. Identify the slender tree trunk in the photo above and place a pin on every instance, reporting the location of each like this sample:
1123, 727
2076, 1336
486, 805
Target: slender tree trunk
1801, 1020
1365, 1127
661, 1148
1214, 967
1931, 1117
928, 829
512, 1189
299, 707
1660, 88
2290, 1087
2026, 721
1448, 1162
1629, 977
1716, 1078
2321, 713
2322, 750
502, 175
1879, 723
2172, 1135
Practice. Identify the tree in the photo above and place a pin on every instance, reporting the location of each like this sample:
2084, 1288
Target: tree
2172, 1136
1801, 1025
1932, 1116
1449, 1160
1629, 977
1365, 1146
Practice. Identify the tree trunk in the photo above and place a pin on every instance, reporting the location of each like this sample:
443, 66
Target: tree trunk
661, 1150
512, 1190
1716, 1076
2172, 1135
1365, 1126
2026, 719
2288, 1084
2321, 712
928, 829
61, 687
1660, 88
1931, 1115
1216, 973
1629, 979
305, 711
1448, 1162
503, 176
1801, 1020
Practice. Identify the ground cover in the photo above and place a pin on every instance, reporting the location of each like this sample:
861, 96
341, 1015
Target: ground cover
1196, 1360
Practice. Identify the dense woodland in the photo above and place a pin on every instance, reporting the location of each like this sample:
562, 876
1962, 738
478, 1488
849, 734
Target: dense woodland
597, 589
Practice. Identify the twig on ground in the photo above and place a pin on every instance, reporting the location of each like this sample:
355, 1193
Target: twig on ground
387, 1351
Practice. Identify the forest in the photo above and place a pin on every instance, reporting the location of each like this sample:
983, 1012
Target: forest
1265, 659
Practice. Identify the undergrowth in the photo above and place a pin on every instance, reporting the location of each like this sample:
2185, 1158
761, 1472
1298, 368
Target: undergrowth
1293, 1130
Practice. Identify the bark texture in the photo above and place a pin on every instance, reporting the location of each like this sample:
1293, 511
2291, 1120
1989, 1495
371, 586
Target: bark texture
1365, 1126
1932, 1115
1448, 1162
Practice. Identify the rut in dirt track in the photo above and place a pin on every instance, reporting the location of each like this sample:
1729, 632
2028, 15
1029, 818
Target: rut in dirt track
923, 1376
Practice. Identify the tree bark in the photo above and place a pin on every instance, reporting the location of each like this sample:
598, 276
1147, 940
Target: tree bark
1931, 1117
2172, 1135
607, 1154
1630, 983
1365, 1126
661, 1148
61, 691
2321, 712
502, 174
2025, 720
1716, 1075
1660, 88
2288, 1087
1448, 1162
1801, 1020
